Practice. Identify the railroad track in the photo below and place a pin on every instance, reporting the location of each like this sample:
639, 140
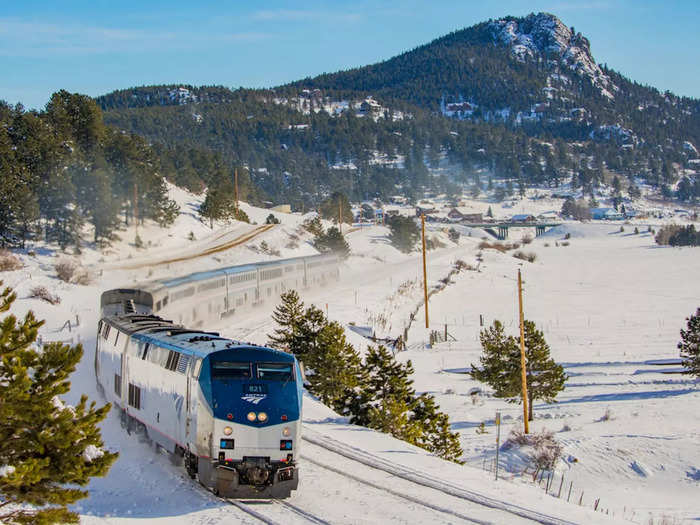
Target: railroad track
398, 494
424, 480
241, 239
306, 516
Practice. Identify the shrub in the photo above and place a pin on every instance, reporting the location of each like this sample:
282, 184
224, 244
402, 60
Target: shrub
529, 257
565, 243
271, 219
41, 292
82, 277
65, 269
453, 235
545, 450
546, 245
191, 237
9, 261
636, 230
527, 239
138, 242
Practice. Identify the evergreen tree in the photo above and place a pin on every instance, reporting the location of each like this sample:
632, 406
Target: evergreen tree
489, 212
404, 233
690, 345
49, 449
500, 365
219, 203
332, 242
289, 315
333, 368
336, 203
437, 437
387, 400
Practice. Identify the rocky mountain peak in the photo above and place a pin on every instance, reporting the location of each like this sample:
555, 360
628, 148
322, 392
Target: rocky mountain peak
543, 35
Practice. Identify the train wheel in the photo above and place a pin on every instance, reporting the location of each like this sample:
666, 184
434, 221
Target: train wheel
191, 464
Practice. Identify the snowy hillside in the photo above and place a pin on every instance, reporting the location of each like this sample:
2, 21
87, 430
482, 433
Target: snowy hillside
610, 304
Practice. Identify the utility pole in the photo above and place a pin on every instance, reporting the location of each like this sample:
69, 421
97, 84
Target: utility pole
523, 372
136, 207
498, 438
235, 185
340, 214
425, 272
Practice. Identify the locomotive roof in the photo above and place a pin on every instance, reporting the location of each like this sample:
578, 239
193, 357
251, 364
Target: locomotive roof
200, 276
166, 334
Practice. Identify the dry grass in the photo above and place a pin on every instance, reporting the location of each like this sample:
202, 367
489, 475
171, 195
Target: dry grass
527, 239
9, 261
65, 269
69, 271
501, 247
41, 292
529, 257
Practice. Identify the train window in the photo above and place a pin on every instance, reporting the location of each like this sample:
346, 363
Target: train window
134, 396
116, 338
230, 370
276, 371
173, 358
118, 385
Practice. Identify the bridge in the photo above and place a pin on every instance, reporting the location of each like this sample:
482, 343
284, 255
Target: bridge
500, 229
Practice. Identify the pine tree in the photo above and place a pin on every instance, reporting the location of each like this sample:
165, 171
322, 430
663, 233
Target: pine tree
333, 368
332, 242
289, 315
49, 449
387, 399
690, 345
500, 365
404, 233
437, 437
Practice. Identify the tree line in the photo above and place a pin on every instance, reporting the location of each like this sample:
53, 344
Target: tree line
62, 168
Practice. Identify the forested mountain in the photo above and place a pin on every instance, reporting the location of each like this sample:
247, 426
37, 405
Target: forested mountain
516, 99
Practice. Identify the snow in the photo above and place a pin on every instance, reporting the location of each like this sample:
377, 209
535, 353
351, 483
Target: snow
92, 452
6, 470
610, 305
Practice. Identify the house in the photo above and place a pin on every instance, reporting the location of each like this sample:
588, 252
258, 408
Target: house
369, 105
458, 215
606, 214
548, 215
523, 217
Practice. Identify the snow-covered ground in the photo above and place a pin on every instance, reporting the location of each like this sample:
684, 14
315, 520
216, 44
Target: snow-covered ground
608, 303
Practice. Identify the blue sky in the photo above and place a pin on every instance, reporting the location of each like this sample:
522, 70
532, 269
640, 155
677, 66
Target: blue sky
96, 46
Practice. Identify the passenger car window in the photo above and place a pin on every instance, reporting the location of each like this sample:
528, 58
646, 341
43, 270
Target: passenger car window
276, 371
230, 370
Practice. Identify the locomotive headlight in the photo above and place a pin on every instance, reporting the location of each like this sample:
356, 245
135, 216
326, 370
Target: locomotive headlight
262, 417
251, 416
286, 431
227, 431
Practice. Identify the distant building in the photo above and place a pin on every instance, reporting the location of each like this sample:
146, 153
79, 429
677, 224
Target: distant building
523, 217
458, 215
370, 106
606, 214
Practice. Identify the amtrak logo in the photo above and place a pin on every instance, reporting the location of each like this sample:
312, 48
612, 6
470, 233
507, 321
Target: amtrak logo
254, 398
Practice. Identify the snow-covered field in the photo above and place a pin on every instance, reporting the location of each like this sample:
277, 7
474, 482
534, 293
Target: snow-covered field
608, 303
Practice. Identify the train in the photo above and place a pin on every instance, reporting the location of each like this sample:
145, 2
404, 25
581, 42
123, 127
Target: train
212, 296
230, 411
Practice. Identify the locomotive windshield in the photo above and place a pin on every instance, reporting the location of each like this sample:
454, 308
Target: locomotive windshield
230, 370
276, 371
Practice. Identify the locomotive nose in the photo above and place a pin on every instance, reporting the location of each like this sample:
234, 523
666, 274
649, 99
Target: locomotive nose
257, 475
